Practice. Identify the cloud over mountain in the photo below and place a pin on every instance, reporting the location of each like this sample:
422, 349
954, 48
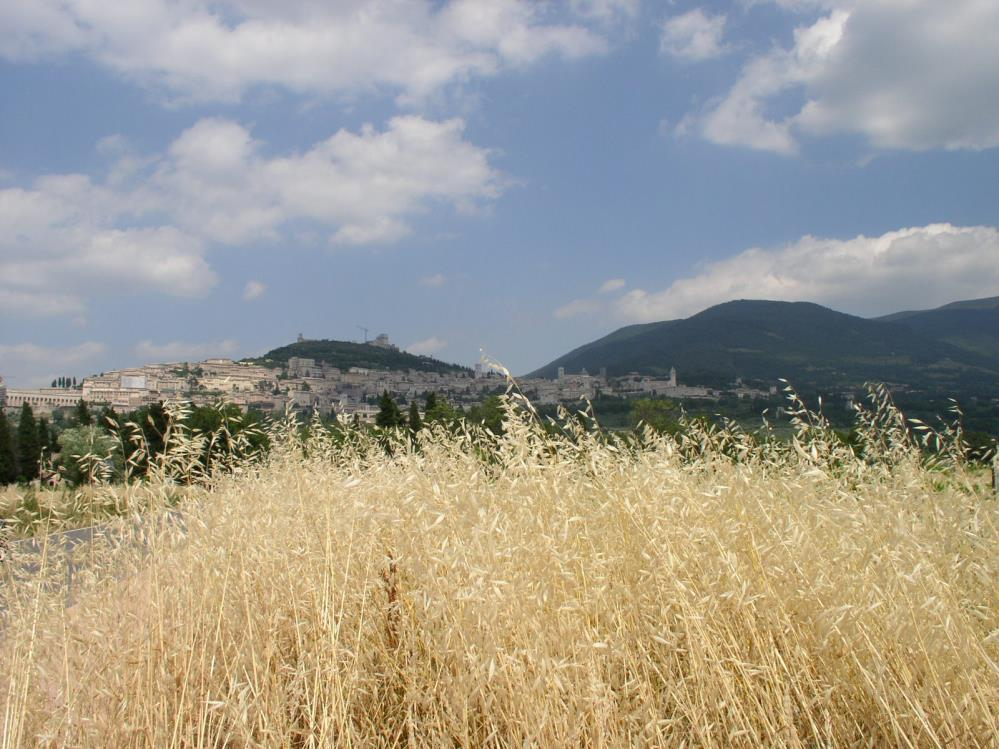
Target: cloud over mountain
933, 264
923, 266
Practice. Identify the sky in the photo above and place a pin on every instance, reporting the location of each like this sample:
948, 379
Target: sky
182, 179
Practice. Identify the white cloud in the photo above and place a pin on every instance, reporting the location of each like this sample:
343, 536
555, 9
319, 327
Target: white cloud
31, 304
58, 243
434, 281
426, 347
30, 365
606, 10
578, 308
253, 290
694, 35
62, 237
611, 285
218, 50
919, 267
176, 351
362, 184
903, 74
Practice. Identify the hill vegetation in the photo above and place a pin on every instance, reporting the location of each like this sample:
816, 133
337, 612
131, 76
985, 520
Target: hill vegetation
972, 325
347, 354
809, 345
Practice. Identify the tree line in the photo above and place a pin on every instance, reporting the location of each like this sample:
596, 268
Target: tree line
32, 449
110, 444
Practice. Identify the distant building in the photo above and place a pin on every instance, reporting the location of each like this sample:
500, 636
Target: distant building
42, 400
382, 341
302, 367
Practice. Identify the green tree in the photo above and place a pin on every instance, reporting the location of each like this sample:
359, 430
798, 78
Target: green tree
151, 422
415, 422
44, 437
82, 414
389, 414
489, 414
658, 414
439, 411
8, 460
55, 383
87, 453
28, 449
107, 417
154, 421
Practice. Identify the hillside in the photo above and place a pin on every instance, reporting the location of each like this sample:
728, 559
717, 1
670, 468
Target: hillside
810, 345
346, 354
972, 325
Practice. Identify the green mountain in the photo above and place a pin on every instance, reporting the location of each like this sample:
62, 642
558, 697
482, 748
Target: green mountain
345, 354
972, 325
809, 345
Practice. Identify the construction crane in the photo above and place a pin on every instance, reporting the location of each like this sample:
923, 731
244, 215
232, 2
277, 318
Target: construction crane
361, 327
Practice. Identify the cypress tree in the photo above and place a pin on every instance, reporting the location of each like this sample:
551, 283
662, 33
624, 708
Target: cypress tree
43, 436
389, 414
8, 461
82, 414
28, 449
415, 423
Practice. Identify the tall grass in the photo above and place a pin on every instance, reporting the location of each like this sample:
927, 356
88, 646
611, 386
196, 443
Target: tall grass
540, 588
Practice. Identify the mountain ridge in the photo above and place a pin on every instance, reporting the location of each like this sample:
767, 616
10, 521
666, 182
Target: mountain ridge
806, 343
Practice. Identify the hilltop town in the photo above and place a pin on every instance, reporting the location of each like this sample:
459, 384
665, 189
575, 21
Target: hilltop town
348, 393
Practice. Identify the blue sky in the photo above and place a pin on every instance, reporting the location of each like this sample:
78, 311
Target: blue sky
181, 179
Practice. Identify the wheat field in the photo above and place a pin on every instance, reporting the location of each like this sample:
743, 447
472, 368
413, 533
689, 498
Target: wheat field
550, 587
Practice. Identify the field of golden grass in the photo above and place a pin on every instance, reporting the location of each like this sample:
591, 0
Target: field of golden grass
530, 590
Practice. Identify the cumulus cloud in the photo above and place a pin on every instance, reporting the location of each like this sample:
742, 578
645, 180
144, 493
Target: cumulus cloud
694, 35
611, 285
176, 351
902, 74
253, 290
218, 50
362, 184
434, 281
30, 365
919, 267
426, 347
66, 235
58, 238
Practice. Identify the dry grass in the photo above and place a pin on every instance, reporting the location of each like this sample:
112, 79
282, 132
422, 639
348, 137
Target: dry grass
560, 591
33, 512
